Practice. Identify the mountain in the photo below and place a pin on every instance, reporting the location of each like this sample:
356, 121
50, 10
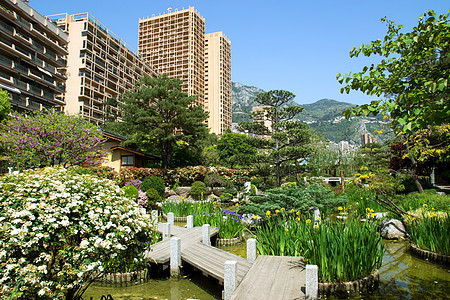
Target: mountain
243, 99
323, 116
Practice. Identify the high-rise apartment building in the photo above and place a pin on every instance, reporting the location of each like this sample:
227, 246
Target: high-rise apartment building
174, 44
32, 57
100, 66
218, 82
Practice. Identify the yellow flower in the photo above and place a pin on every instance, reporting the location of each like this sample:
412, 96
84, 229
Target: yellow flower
318, 218
282, 209
198, 207
425, 205
268, 213
277, 211
306, 260
298, 213
308, 221
292, 210
286, 229
237, 204
340, 208
316, 226
214, 202
255, 217
297, 219
432, 215
192, 205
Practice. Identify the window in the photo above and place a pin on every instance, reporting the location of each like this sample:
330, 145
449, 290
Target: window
127, 160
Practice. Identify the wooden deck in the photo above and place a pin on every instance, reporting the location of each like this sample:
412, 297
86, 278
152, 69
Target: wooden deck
211, 260
273, 277
269, 277
160, 252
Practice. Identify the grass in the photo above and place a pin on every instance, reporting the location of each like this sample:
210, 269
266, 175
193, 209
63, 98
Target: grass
342, 251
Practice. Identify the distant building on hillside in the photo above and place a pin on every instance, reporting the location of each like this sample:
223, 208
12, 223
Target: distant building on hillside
32, 58
366, 138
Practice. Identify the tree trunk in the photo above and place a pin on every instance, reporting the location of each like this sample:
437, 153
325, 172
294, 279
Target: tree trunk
414, 171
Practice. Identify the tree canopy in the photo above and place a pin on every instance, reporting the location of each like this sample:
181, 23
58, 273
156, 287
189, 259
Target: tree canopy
234, 149
50, 138
157, 114
282, 141
5, 105
413, 76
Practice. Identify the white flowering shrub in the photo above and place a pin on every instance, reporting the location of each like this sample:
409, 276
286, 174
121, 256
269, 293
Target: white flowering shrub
58, 229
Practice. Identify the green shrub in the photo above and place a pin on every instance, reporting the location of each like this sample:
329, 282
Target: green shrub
153, 197
252, 189
358, 198
215, 180
82, 171
60, 230
154, 182
131, 192
197, 189
432, 199
255, 181
301, 197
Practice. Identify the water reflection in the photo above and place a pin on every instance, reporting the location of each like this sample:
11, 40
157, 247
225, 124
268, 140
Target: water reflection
170, 289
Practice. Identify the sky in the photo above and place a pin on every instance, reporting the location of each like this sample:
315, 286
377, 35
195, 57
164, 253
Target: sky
294, 45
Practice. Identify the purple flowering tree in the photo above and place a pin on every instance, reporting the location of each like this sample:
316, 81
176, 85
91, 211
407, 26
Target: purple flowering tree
50, 138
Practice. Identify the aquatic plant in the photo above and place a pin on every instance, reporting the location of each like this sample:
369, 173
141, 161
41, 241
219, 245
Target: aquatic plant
430, 232
185, 208
342, 251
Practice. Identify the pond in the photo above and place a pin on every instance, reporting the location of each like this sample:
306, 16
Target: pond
402, 276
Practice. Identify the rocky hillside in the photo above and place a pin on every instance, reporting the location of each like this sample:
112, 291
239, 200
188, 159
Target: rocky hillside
323, 116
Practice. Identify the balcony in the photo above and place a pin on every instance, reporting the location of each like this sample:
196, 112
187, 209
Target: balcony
33, 105
6, 27
5, 61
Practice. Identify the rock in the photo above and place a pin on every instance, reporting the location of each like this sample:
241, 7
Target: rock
218, 191
392, 229
183, 191
212, 197
169, 193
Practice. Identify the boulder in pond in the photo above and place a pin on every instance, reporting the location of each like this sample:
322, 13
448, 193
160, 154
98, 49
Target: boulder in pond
392, 229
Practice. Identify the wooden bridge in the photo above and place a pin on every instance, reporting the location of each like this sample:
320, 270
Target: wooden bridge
268, 277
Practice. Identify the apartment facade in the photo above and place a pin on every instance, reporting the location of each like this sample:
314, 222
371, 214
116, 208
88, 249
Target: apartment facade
100, 66
33, 54
218, 82
173, 43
